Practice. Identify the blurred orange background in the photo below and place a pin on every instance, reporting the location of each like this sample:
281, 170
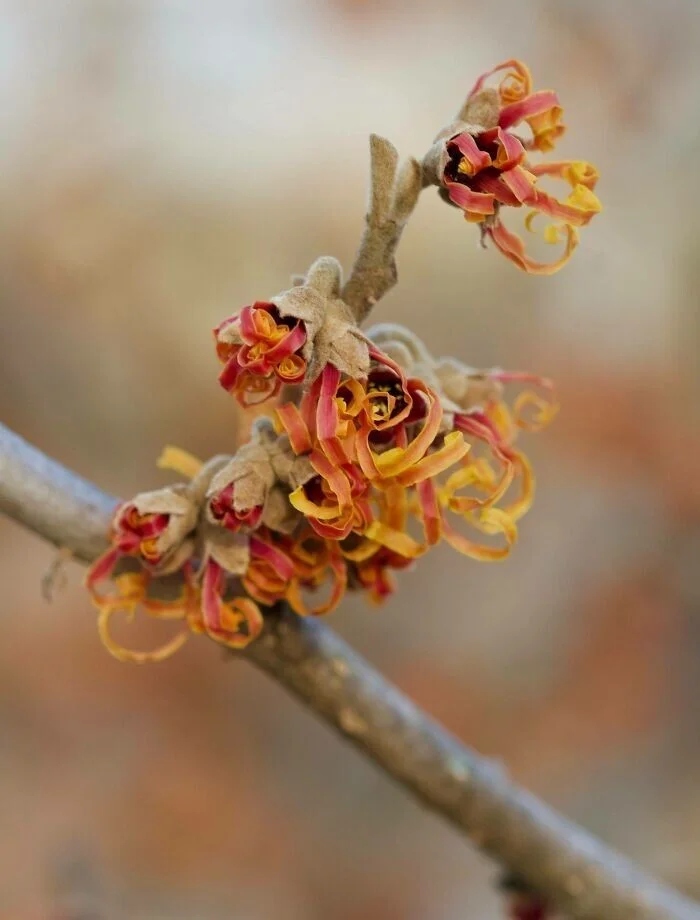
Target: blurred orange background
165, 163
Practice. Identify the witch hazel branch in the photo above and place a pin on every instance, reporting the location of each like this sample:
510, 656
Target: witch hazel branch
368, 450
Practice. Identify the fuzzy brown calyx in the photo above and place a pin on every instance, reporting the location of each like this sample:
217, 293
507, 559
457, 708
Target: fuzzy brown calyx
332, 335
478, 114
252, 488
158, 527
278, 514
157, 530
461, 388
340, 343
290, 469
199, 484
393, 338
248, 475
481, 109
229, 550
408, 350
436, 160
464, 386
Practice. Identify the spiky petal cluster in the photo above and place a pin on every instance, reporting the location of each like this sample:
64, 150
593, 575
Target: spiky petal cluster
342, 485
260, 351
482, 165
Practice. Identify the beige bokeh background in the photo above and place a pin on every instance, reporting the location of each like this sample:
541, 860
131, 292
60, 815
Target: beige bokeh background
165, 162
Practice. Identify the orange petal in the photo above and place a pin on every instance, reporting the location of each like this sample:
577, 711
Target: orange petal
546, 407
516, 84
102, 567
521, 183
534, 106
453, 449
363, 551
291, 369
339, 577
430, 512
327, 416
292, 422
496, 523
473, 159
398, 460
575, 172
522, 504
395, 540
335, 477
232, 612
578, 209
510, 150
125, 654
298, 500
513, 248
469, 201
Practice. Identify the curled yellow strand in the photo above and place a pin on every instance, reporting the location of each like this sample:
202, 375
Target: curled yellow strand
130, 594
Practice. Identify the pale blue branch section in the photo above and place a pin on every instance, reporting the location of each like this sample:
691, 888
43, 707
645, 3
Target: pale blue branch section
52, 501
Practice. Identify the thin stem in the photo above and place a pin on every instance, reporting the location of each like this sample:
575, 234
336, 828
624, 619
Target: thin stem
551, 854
393, 196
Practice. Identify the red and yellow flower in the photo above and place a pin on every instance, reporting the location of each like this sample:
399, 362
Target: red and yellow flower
284, 568
141, 534
518, 102
381, 454
234, 621
154, 529
335, 502
485, 168
261, 350
223, 510
363, 437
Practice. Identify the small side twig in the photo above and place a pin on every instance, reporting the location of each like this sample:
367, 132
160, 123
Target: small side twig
565, 864
393, 196
54, 578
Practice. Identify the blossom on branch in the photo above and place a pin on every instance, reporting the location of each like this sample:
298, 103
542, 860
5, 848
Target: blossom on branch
482, 166
373, 451
154, 528
260, 351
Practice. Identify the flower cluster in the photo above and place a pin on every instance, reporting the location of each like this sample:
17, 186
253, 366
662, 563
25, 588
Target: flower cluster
367, 450
482, 166
347, 481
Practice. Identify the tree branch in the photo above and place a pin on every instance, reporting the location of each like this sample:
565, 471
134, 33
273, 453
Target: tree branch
554, 856
393, 196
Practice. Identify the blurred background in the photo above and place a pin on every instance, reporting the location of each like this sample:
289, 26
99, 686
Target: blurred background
165, 162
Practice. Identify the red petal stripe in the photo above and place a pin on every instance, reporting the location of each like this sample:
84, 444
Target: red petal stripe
535, 104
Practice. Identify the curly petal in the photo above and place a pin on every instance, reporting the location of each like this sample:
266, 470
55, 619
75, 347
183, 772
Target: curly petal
513, 248
515, 85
